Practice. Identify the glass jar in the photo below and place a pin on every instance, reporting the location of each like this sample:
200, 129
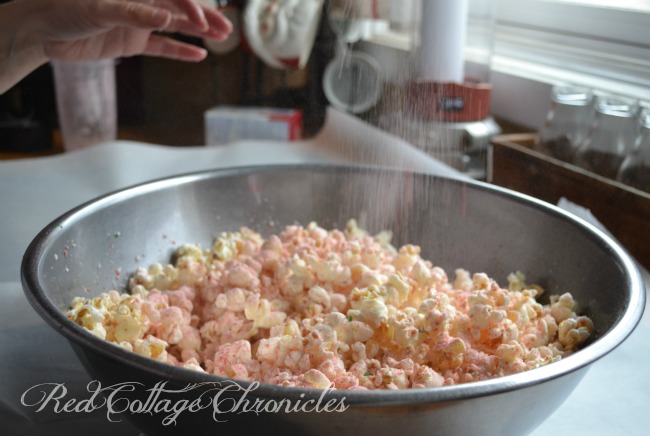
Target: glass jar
567, 122
635, 169
611, 138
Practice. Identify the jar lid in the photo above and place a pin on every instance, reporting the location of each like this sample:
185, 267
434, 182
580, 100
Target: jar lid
618, 107
573, 95
352, 82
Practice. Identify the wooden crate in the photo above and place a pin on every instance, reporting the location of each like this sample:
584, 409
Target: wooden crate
624, 211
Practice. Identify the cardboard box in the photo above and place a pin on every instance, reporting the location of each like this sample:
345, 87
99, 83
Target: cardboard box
226, 124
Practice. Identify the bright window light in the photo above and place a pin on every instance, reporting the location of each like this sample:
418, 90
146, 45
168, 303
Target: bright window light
635, 5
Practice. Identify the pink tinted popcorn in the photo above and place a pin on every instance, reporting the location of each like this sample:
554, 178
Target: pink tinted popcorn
343, 309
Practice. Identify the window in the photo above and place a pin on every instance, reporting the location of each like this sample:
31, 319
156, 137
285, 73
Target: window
631, 5
604, 44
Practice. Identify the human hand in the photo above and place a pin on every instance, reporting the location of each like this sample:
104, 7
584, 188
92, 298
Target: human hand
33, 32
77, 30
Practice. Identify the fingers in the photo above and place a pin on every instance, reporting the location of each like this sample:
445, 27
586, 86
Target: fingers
204, 17
168, 48
217, 21
98, 21
191, 18
182, 25
108, 14
218, 26
194, 12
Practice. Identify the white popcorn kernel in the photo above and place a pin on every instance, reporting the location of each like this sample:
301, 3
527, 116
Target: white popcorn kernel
151, 347
426, 377
316, 379
574, 331
319, 295
128, 328
562, 308
125, 345
225, 247
194, 365
192, 251
372, 311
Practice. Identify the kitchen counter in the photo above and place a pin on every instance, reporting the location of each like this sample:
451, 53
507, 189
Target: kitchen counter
611, 399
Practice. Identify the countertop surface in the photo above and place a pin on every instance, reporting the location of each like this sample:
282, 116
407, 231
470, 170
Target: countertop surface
611, 399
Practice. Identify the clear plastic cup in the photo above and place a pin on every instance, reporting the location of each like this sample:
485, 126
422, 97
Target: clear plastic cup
86, 102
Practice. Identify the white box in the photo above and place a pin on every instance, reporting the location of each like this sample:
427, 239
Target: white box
226, 124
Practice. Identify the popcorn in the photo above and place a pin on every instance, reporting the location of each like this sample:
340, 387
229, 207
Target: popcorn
316, 379
562, 307
152, 347
315, 308
574, 331
89, 317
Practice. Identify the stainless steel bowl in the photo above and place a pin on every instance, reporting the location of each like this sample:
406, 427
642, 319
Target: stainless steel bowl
457, 223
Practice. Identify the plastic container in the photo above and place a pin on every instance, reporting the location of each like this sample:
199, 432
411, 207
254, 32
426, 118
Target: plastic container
86, 102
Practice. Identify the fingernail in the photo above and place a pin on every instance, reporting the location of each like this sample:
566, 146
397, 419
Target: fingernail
202, 21
204, 24
227, 25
